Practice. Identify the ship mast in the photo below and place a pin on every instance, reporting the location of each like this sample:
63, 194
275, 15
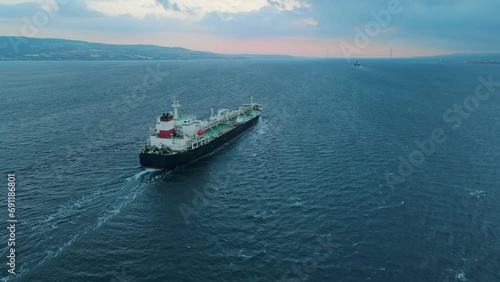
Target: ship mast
176, 106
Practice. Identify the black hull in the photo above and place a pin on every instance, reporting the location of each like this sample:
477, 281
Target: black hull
170, 162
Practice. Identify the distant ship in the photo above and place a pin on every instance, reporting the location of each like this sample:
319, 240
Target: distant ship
356, 64
178, 139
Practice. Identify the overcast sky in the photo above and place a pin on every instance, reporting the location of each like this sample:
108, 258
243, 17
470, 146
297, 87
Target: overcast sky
294, 27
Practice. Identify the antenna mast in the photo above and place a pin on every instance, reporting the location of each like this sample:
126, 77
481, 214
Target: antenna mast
175, 105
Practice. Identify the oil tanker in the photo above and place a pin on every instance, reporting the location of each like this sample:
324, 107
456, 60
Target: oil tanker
178, 139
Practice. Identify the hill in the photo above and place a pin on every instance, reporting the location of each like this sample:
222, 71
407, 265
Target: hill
62, 49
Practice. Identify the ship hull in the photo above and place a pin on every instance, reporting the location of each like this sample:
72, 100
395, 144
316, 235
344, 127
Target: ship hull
170, 162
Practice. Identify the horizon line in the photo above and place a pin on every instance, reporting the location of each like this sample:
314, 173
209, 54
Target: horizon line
265, 54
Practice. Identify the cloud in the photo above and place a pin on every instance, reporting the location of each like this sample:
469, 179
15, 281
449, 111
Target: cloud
136, 9
194, 10
18, 10
288, 5
309, 21
48, 5
451, 24
460, 25
29, 8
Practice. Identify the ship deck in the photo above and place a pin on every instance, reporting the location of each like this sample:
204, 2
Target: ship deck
217, 129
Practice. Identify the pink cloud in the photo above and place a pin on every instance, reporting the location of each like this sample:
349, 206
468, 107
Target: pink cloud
309, 21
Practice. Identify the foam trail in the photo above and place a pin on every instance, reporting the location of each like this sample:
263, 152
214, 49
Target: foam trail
141, 173
116, 208
76, 207
263, 127
66, 211
388, 206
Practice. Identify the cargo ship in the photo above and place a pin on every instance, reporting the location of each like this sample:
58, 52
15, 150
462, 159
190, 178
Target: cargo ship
178, 139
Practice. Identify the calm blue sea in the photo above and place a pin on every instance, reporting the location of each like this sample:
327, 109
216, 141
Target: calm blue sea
331, 185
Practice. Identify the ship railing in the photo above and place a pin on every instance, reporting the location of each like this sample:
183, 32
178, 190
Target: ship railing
199, 142
242, 110
232, 114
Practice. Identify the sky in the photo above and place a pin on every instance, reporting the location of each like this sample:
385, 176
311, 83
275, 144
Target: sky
339, 28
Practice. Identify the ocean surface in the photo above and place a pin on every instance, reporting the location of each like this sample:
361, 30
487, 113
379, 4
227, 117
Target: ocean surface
329, 186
